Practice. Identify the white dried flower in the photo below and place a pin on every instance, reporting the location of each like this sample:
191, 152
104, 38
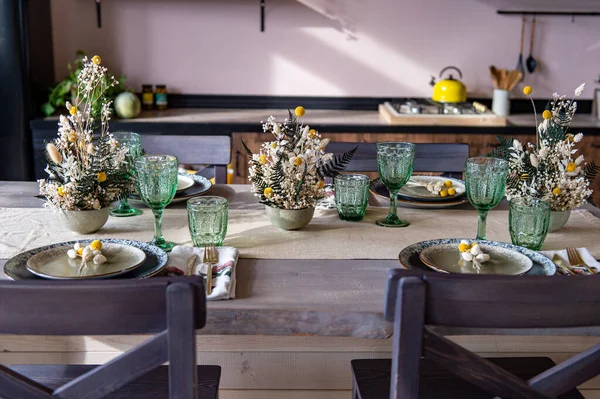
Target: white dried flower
90, 149
71, 253
53, 153
77, 246
87, 253
578, 137
476, 250
466, 256
305, 131
276, 128
482, 258
517, 145
99, 259
579, 90
535, 162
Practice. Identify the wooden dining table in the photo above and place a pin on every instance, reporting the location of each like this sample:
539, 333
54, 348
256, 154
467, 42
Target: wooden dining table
295, 323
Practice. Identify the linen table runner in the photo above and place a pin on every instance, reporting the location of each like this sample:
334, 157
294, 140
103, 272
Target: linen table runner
326, 237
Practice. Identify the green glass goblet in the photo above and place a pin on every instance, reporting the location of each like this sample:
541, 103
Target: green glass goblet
395, 164
133, 143
485, 181
156, 179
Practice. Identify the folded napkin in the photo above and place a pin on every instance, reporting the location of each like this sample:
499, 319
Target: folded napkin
223, 272
585, 255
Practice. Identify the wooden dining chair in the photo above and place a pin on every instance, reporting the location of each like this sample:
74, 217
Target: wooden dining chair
172, 308
425, 364
448, 158
193, 150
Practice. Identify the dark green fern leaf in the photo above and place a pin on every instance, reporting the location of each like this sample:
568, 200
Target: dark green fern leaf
590, 170
301, 183
247, 149
336, 165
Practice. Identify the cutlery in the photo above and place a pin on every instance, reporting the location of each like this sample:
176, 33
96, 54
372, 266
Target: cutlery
520, 66
190, 264
531, 62
576, 261
211, 256
560, 262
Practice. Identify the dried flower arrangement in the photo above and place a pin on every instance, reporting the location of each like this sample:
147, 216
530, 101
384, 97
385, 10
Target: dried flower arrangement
289, 172
85, 170
549, 169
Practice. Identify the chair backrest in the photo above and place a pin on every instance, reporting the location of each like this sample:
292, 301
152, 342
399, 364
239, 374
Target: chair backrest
172, 307
414, 300
209, 150
429, 157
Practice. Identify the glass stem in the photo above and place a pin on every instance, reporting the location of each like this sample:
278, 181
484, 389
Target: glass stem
124, 205
393, 212
158, 235
481, 221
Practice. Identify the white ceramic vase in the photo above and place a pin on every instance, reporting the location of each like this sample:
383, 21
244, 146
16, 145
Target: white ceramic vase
558, 219
290, 219
84, 222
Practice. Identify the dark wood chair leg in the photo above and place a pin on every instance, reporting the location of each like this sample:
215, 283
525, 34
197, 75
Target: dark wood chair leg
220, 174
181, 341
408, 338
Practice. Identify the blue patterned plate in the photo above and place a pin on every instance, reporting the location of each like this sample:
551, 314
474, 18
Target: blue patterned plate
155, 262
409, 256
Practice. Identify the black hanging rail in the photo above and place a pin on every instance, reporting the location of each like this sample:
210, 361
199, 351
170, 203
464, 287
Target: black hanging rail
551, 13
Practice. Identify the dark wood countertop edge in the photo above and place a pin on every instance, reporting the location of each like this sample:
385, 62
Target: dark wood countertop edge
224, 128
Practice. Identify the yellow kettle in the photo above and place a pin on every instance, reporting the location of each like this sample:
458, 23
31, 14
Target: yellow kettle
449, 90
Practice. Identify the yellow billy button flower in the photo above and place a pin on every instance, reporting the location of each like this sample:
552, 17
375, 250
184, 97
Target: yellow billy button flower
96, 59
299, 111
61, 191
321, 184
448, 183
102, 177
547, 114
462, 247
569, 138
312, 133
274, 145
298, 161
262, 159
80, 251
527, 90
96, 245
443, 193
451, 191
556, 191
72, 137
268, 192
571, 167
73, 110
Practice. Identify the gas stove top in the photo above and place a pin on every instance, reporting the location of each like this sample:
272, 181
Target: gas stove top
424, 112
423, 106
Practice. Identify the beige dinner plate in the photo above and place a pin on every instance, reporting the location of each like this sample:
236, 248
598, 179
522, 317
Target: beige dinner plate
183, 183
378, 189
445, 258
418, 192
55, 264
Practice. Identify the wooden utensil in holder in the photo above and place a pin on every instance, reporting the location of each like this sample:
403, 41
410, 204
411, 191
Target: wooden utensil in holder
504, 82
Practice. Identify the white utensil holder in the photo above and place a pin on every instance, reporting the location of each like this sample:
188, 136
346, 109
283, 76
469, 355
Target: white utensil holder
501, 102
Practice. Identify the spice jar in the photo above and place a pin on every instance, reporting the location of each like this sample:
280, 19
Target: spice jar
161, 97
147, 97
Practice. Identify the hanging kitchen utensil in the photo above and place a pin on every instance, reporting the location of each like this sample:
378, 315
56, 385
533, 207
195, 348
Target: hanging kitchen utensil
520, 66
98, 13
494, 75
449, 90
531, 62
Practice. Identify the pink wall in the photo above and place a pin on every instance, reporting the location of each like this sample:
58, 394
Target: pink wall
215, 46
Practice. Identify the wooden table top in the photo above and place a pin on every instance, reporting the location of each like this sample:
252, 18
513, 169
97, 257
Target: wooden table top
284, 297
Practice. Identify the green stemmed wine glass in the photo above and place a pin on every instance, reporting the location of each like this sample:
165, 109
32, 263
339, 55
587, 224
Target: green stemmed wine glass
156, 179
395, 164
485, 181
133, 143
